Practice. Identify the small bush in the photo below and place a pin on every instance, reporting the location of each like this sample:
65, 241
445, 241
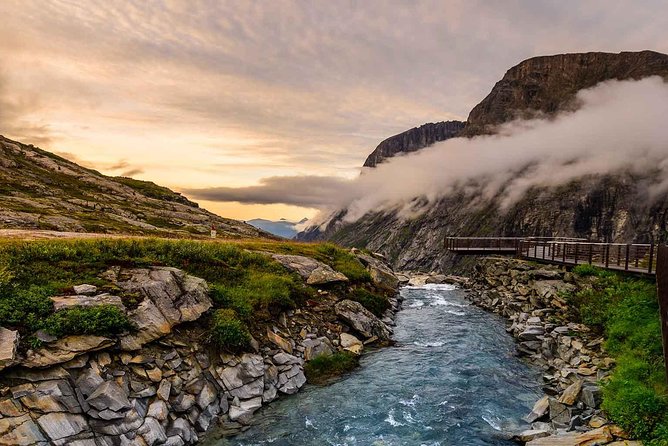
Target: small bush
322, 368
103, 320
25, 309
228, 333
586, 270
375, 303
344, 262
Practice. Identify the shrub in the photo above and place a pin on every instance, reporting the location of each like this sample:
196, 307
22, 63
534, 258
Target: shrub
227, 332
344, 262
25, 309
103, 320
324, 367
375, 303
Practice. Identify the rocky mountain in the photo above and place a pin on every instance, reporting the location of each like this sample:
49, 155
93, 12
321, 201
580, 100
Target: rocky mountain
601, 207
282, 228
40, 190
413, 140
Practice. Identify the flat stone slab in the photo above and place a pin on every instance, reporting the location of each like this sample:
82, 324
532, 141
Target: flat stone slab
65, 302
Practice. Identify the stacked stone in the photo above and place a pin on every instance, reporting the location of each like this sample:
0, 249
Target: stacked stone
531, 298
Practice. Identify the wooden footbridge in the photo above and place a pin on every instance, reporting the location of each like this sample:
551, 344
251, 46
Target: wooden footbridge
634, 257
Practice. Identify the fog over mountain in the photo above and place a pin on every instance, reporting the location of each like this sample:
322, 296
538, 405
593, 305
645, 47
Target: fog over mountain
617, 126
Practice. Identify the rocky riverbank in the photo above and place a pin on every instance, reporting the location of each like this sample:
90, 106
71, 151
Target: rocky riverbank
531, 298
162, 384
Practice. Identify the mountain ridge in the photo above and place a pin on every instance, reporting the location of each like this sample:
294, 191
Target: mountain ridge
42, 190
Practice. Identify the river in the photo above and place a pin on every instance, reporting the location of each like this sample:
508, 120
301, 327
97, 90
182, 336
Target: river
451, 380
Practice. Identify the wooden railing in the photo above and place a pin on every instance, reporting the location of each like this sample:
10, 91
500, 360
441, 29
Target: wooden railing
639, 258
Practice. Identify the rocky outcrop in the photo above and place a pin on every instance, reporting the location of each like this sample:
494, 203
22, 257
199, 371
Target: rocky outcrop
362, 320
547, 84
531, 298
161, 384
413, 140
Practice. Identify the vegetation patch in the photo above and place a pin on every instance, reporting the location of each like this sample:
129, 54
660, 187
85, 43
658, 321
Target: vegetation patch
323, 368
626, 311
242, 278
103, 320
228, 333
375, 303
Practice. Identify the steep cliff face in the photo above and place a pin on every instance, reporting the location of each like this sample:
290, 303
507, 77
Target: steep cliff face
548, 84
413, 140
610, 208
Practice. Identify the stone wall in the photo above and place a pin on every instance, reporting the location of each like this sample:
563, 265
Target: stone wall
531, 298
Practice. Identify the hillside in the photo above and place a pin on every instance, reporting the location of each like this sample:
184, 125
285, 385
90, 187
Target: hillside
40, 190
609, 207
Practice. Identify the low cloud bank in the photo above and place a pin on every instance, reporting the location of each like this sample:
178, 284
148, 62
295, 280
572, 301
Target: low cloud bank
619, 126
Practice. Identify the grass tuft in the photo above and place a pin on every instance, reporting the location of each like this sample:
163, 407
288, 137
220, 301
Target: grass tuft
325, 367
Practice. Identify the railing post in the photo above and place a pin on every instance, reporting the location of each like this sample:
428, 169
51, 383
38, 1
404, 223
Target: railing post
626, 261
564, 247
619, 254
577, 245
590, 253
552, 246
607, 255
662, 295
651, 258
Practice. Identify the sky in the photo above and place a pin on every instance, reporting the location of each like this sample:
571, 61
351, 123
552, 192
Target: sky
233, 95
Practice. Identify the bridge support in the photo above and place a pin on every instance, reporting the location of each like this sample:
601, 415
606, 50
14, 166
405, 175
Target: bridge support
662, 294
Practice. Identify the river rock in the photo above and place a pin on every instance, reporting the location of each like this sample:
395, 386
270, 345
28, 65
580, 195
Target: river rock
243, 411
351, 343
570, 395
317, 347
361, 320
64, 350
324, 275
9, 341
381, 274
539, 410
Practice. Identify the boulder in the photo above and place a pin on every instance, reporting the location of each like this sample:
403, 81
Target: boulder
170, 298
381, 274
291, 381
152, 432
570, 395
351, 343
539, 410
531, 434
361, 320
317, 347
85, 289
9, 341
243, 411
65, 302
64, 350
324, 275
311, 270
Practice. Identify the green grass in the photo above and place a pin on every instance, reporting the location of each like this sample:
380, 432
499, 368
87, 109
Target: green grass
626, 311
250, 283
323, 368
228, 333
375, 303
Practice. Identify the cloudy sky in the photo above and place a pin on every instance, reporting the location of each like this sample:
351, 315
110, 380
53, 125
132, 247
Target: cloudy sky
230, 95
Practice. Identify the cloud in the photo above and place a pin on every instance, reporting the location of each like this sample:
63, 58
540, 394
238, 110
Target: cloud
305, 191
14, 111
619, 127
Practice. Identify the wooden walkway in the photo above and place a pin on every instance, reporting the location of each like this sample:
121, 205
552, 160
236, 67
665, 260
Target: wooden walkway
636, 258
